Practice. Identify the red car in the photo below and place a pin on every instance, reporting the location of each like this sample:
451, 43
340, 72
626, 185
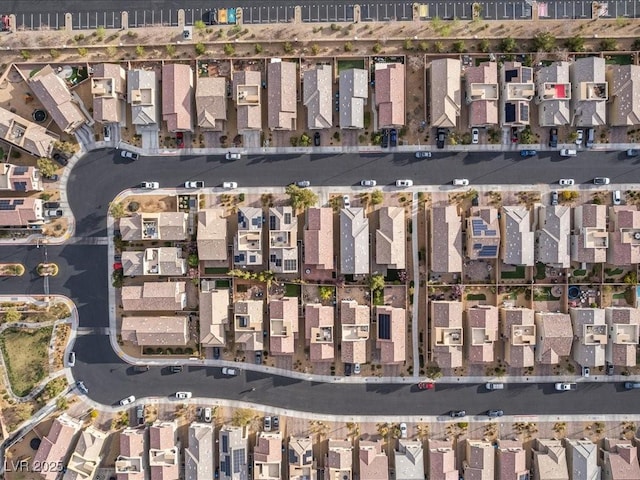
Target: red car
117, 266
180, 139
426, 386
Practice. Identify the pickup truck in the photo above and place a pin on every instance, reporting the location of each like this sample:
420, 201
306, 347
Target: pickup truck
566, 386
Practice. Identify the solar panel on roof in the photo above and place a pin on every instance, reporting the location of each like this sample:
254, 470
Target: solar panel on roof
510, 75
509, 112
20, 170
225, 466
272, 222
20, 186
4, 201
293, 457
384, 326
225, 443
238, 459
490, 233
477, 246
256, 221
7, 206
524, 113
526, 75
19, 201
290, 265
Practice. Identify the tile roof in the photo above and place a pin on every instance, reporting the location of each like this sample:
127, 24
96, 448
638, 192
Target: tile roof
19, 178
317, 96
212, 234
177, 97
482, 333
355, 322
624, 237
166, 261
232, 453
164, 455
590, 328
55, 97
354, 241
552, 238
282, 97
517, 92
390, 96
318, 238
55, 445
518, 236
319, 331
339, 460
590, 242
511, 461
549, 460
198, 455
447, 339
588, 92
156, 331
446, 240
409, 460
248, 324
582, 456
283, 319
142, 95
374, 464
553, 94
21, 212
214, 317
442, 461
555, 337
247, 91
479, 463
27, 135
391, 238
86, 456
624, 324
108, 89
170, 226
446, 92
267, 456
354, 93
620, 460
283, 240
248, 240
483, 233
302, 465
129, 464
157, 296
391, 336
211, 103
519, 333
624, 94
482, 94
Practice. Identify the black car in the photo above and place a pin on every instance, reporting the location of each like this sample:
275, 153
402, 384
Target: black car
494, 413
347, 369
441, 137
51, 204
316, 139
60, 159
609, 368
553, 138
51, 178
210, 17
216, 353
276, 423
258, 358
385, 139
393, 138
175, 368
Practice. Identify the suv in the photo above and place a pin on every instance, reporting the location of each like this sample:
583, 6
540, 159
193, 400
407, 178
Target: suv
206, 414
494, 413
554, 198
346, 203
82, 387
461, 182
183, 395
194, 184
494, 386
567, 152
229, 372
72, 359
140, 414
441, 137
632, 152
229, 185
60, 159
586, 371
393, 138
127, 154
267, 423
423, 154
553, 138
385, 139
53, 213
601, 181
175, 368
631, 385
51, 204
475, 136
579, 137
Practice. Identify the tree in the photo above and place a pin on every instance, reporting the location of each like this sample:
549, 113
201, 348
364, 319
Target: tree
171, 49
459, 46
229, 49
62, 403
376, 282
116, 210
377, 197
575, 44
68, 148
526, 136
83, 52
100, 32
544, 41
508, 45
353, 429
485, 45
348, 47
242, 417
257, 48
438, 47
199, 25
383, 429
193, 260
301, 198
315, 49
12, 315
608, 44
200, 48
305, 140
47, 167
326, 293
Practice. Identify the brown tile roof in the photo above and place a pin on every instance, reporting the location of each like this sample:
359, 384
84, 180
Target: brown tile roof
519, 333
624, 247
483, 233
445, 252
447, 339
282, 97
480, 461
483, 109
390, 96
86, 456
317, 96
248, 324
620, 460
393, 348
212, 234
163, 452
319, 331
283, 317
354, 241
132, 442
555, 337
158, 296
283, 240
355, 320
624, 94
177, 97
589, 92
214, 317
170, 226
624, 324
591, 241
25, 134
156, 331
166, 261
391, 238
268, 448
198, 456
247, 88
374, 464
339, 459
552, 240
517, 236
129, 464
21, 212
19, 178
55, 445
512, 460
591, 331
442, 461
482, 333
211, 103
318, 238
550, 460
446, 92
143, 90
108, 89
55, 97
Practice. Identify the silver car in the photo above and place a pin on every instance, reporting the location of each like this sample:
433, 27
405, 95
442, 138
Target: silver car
368, 183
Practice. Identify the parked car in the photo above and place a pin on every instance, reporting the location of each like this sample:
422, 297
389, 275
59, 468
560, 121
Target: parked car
609, 368
347, 369
233, 156
475, 135
128, 400
194, 184
514, 134
423, 154
494, 386
267, 423
51, 204
591, 137
404, 183
106, 133
616, 197
130, 155
183, 395
207, 414
82, 387
554, 198
568, 152
494, 413
356, 368
175, 368
51, 178
566, 386
393, 138
426, 386
553, 138
601, 181
53, 213
384, 143
368, 183
216, 353
457, 413
276, 423
303, 184
229, 371
441, 137
140, 368
180, 140
461, 182
566, 182
632, 152
140, 414
258, 358
403, 430
316, 139
346, 203
586, 371
528, 153
579, 137
72, 359
61, 159
229, 185
150, 185
631, 385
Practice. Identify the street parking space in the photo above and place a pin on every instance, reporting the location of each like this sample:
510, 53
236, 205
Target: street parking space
559, 9
327, 13
386, 11
268, 13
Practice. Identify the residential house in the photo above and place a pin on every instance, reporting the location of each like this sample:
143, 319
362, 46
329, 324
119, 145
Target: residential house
446, 92
354, 93
338, 463
165, 261
17, 178
283, 320
156, 331
445, 253
555, 337
517, 91
214, 317
392, 334
479, 463
302, 465
624, 95
549, 460
282, 106
248, 241
267, 456
246, 92
391, 241
409, 460
86, 457
211, 103
130, 464
482, 333
26, 135
177, 97
589, 92
390, 96
54, 447
582, 459
317, 96
553, 94
623, 323
198, 458
155, 296
354, 320
483, 233
511, 461
624, 236
590, 243
442, 461
482, 94
142, 95
247, 323
590, 328
552, 236
212, 235
354, 242
164, 452
283, 240
619, 460
374, 464
519, 334
108, 87
21, 212
65, 107
318, 321
318, 239
517, 236
446, 336
233, 453
166, 226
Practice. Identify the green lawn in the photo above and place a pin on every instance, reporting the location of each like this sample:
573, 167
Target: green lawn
540, 271
223, 283
612, 272
26, 354
352, 63
618, 60
579, 273
215, 271
476, 296
291, 290
619, 296
519, 272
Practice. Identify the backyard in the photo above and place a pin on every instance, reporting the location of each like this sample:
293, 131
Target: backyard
26, 357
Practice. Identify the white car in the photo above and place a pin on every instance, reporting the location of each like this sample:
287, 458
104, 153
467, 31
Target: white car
229, 185
616, 196
579, 137
72, 359
566, 182
229, 372
346, 203
128, 400
356, 368
194, 184
150, 185
461, 182
404, 183
475, 136
403, 430
183, 395
233, 156
567, 152
127, 154
368, 183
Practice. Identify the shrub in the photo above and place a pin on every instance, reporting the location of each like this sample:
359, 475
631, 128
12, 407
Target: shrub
83, 52
377, 48
200, 48
257, 48
139, 51
25, 54
315, 49
348, 46
133, 207
54, 53
229, 49
287, 47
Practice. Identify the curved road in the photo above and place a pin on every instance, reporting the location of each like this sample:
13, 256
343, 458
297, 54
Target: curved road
100, 175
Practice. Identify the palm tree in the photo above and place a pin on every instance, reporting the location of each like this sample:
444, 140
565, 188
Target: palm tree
354, 429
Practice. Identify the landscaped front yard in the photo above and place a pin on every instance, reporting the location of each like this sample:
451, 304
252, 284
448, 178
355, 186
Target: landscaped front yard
26, 355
